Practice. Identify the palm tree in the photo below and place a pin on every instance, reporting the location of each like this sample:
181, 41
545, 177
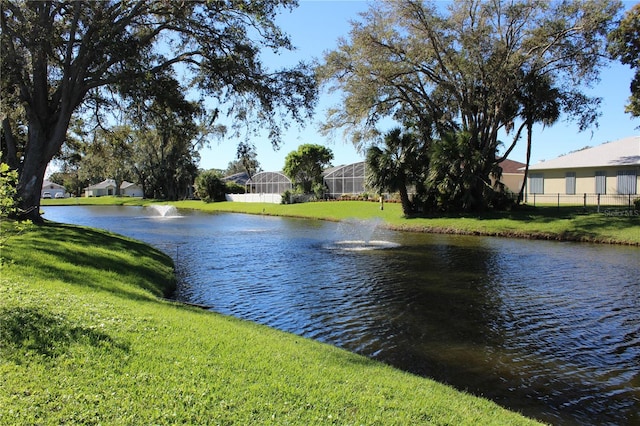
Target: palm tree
396, 165
540, 104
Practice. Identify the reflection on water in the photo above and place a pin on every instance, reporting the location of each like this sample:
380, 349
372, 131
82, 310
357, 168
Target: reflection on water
549, 329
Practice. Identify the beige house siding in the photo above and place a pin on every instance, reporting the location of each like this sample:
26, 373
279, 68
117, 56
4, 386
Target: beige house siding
513, 181
555, 185
579, 174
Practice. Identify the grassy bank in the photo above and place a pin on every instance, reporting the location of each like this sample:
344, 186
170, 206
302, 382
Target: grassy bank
565, 223
86, 339
553, 223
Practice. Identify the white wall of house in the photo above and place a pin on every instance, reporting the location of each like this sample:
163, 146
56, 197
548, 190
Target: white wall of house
53, 189
131, 191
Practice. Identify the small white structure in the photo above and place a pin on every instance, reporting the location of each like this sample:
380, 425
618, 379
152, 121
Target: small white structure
52, 190
108, 187
129, 189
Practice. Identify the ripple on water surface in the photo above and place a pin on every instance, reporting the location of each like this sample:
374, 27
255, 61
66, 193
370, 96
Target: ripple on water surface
550, 329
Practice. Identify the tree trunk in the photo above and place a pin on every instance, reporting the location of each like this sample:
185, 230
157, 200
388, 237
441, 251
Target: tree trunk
30, 180
526, 167
407, 209
42, 145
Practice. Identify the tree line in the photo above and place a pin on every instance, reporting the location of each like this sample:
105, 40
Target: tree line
82, 81
456, 76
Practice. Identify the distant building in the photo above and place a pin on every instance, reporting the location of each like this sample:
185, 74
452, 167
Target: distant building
52, 190
128, 189
239, 178
512, 175
269, 183
611, 169
345, 179
108, 187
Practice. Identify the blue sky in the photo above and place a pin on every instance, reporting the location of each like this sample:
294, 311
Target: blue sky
316, 25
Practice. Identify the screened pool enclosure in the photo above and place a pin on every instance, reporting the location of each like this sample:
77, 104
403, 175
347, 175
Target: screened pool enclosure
349, 179
268, 183
338, 181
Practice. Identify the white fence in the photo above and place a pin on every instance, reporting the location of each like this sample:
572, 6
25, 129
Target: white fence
255, 198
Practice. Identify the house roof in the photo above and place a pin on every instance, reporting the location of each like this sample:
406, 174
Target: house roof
110, 183
623, 152
510, 166
47, 184
239, 178
107, 183
125, 184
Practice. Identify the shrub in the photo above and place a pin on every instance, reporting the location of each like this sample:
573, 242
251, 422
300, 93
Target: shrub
636, 203
235, 188
286, 197
210, 186
8, 181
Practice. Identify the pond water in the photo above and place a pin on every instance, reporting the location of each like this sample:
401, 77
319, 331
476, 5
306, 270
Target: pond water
549, 329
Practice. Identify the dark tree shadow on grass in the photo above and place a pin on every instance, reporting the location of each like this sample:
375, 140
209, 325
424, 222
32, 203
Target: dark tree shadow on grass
25, 332
132, 270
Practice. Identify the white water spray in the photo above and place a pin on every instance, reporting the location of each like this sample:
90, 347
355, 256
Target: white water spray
164, 210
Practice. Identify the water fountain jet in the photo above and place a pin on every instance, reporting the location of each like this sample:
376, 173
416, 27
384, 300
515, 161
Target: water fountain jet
357, 235
164, 210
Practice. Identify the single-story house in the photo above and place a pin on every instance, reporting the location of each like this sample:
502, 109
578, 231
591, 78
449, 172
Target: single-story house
128, 189
512, 175
108, 187
611, 169
52, 190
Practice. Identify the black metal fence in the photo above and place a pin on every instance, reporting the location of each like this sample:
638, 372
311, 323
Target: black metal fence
583, 200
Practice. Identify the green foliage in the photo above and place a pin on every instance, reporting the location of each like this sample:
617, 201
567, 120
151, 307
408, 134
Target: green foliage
116, 56
402, 162
468, 67
108, 156
624, 44
247, 161
210, 187
636, 204
8, 208
8, 182
296, 197
456, 182
234, 188
305, 166
286, 197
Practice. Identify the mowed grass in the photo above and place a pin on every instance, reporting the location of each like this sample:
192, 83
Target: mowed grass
567, 223
85, 338
553, 223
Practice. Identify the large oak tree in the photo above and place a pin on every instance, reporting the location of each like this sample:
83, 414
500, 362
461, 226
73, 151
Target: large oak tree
60, 58
464, 66
625, 45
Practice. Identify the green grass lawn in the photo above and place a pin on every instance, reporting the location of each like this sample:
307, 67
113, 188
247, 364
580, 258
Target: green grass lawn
565, 223
548, 222
85, 338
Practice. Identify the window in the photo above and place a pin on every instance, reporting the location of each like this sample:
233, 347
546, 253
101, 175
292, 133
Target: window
627, 182
536, 183
601, 182
570, 183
